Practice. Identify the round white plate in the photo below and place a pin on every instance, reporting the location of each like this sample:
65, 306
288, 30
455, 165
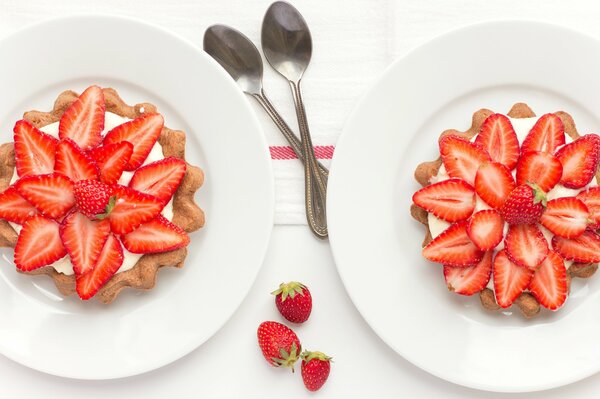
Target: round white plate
140, 331
377, 245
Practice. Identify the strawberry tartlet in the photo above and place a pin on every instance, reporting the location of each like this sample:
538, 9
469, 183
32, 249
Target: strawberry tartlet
512, 208
97, 194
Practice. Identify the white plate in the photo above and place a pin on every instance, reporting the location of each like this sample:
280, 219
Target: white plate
141, 331
377, 245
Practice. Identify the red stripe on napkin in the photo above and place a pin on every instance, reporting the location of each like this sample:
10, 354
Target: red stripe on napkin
286, 152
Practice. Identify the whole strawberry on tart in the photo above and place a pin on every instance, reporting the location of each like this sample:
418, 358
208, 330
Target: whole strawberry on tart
97, 194
512, 208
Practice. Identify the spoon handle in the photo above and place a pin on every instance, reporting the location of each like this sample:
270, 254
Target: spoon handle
285, 129
315, 202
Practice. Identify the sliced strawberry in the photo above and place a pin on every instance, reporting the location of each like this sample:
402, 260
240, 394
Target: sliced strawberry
549, 284
51, 194
580, 161
15, 208
142, 132
112, 160
582, 249
526, 245
566, 217
469, 280
499, 139
83, 238
38, 244
591, 199
157, 235
34, 150
462, 158
162, 178
451, 200
453, 247
109, 261
72, 162
486, 229
510, 280
132, 209
83, 121
546, 135
540, 168
493, 183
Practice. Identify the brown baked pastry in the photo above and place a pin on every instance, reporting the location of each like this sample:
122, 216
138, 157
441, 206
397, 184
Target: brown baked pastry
492, 217
139, 228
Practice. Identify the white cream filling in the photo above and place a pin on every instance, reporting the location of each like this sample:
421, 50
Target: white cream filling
522, 127
129, 259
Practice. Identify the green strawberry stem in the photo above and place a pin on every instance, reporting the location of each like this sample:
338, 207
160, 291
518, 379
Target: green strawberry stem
289, 289
287, 359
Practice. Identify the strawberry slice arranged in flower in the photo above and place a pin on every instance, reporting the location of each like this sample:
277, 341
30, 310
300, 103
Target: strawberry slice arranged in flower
162, 178
453, 247
469, 280
497, 136
451, 200
566, 217
15, 208
51, 194
72, 162
582, 249
112, 160
580, 161
549, 284
157, 235
34, 150
539, 168
107, 264
39, 244
494, 183
83, 121
510, 280
486, 229
591, 199
132, 209
525, 245
83, 238
546, 135
142, 132
462, 158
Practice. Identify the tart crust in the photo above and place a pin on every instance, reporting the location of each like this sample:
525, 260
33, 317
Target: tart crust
186, 213
526, 302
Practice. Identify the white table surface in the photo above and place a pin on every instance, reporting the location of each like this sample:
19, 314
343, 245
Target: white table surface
363, 37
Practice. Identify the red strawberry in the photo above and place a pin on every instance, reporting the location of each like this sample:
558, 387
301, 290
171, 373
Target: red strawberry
157, 235
315, 369
294, 302
524, 205
108, 263
493, 183
486, 229
526, 245
159, 179
83, 238
453, 247
582, 249
499, 139
142, 132
462, 158
591, 199
112, 160
451, 200
132, 209
580, 161
280, 346
15, 208
51, 194
72, 162
34, 150
93, 198
510, 280
566, 217
549, 283
540, 168
546, 135
38, 244
83, 121
469, 280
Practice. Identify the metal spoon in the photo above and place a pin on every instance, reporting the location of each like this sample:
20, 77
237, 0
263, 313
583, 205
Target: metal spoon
287, 46
241, 59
